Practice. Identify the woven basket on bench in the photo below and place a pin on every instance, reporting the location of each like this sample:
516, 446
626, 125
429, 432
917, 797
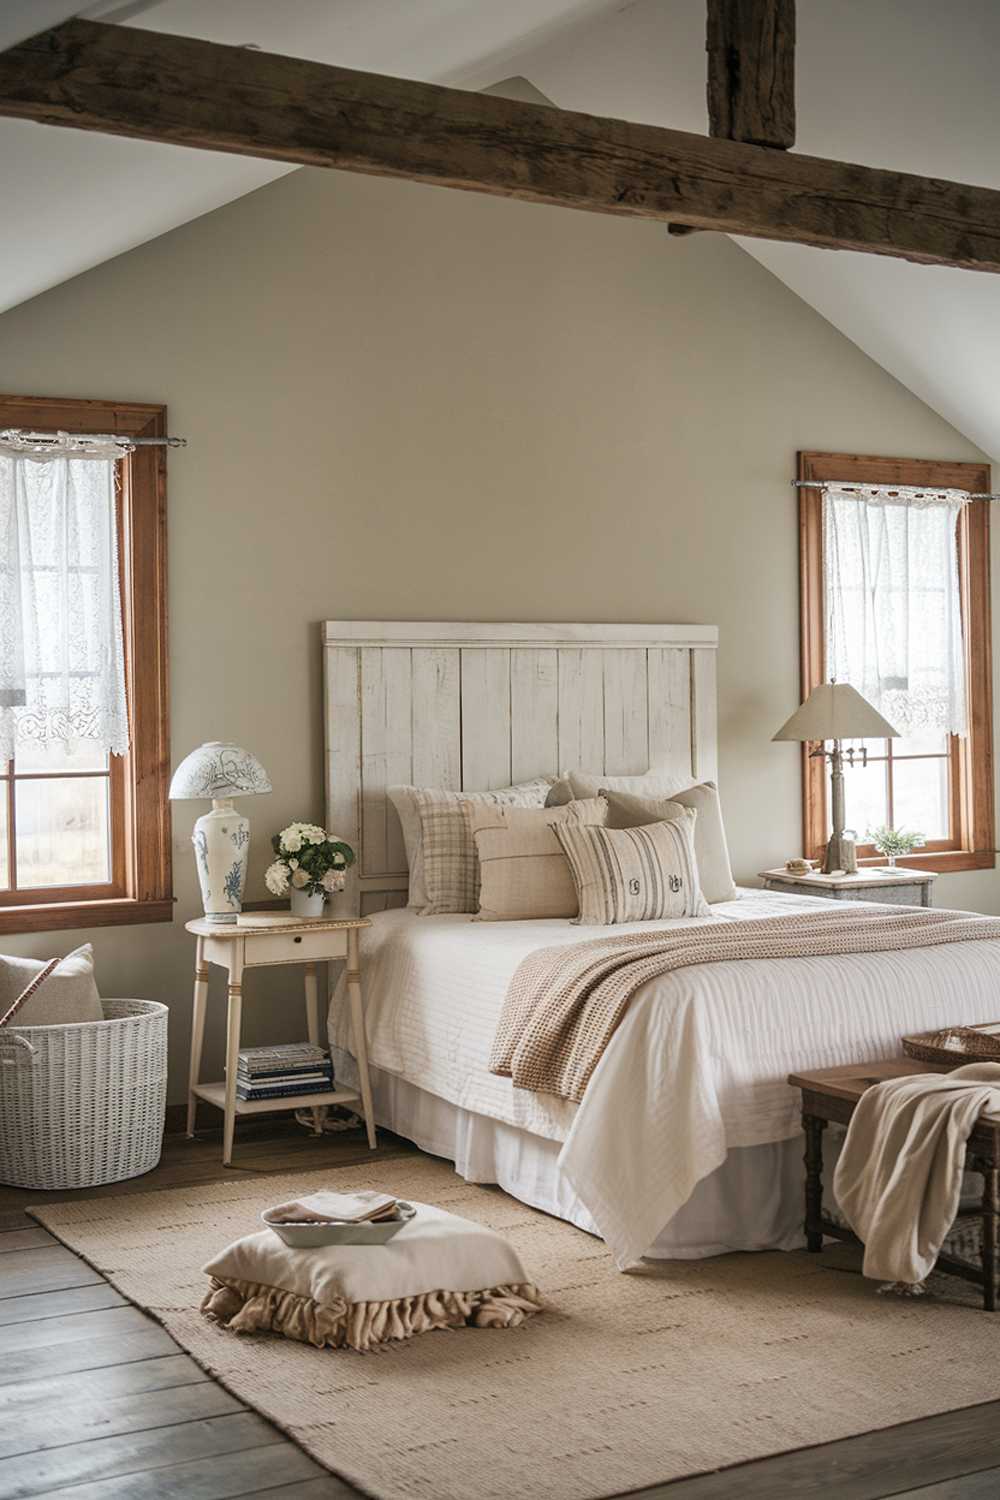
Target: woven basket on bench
83, 1105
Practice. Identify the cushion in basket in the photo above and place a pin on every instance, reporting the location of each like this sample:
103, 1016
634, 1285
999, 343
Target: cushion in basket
439, 1271
64, 997
449, 864
635, 874
523, 872
579, 784
711, 851
404, 800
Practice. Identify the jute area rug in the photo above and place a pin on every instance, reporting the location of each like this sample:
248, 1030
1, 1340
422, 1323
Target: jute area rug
625, 1380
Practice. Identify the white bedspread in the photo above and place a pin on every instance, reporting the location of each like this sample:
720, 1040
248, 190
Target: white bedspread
697, 1067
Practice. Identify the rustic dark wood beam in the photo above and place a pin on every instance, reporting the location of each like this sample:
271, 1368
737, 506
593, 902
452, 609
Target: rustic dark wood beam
187, 92
751, 71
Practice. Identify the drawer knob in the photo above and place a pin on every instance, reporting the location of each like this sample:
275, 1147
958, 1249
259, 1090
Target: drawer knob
298, 939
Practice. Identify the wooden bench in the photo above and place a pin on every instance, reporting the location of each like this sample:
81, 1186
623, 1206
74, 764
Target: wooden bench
831, 1094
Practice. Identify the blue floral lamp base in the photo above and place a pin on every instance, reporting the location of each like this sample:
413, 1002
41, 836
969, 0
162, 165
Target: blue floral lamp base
221, 840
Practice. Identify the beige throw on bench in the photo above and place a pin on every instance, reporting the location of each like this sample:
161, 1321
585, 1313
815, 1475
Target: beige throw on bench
899, 1177
564, 1004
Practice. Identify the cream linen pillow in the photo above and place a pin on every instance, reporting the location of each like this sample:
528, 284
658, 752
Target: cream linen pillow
634, 874
66, 996
404, 800
439, 1271
523, 872
583, 784
448, 863
711, 850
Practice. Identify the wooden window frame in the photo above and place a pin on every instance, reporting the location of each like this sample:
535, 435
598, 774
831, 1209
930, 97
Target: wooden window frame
972, 813
142, 888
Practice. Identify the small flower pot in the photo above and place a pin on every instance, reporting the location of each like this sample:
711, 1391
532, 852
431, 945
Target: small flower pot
306, 905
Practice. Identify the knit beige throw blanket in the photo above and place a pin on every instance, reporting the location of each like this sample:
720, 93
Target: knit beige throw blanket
899, 1177
564, 1004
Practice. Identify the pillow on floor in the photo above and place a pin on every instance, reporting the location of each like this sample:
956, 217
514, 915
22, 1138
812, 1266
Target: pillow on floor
439, 1271
634, 874
523, 872
711, 850
582, 784
404, 800
66, 995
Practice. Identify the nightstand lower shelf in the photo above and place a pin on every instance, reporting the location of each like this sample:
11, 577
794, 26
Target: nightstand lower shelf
215, 1093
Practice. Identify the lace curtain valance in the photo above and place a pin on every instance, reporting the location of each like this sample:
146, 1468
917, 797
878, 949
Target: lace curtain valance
893, 607
62, 661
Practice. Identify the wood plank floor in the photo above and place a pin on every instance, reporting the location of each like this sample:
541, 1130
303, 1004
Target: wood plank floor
97, 1402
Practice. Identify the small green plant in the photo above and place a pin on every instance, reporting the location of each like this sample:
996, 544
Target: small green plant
892, 842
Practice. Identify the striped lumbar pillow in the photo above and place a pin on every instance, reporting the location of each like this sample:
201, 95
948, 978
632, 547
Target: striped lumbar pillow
634, 874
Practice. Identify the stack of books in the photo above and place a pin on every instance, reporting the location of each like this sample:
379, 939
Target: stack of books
273, 1072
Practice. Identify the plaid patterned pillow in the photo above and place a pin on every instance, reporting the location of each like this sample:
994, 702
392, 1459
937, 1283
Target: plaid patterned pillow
634, 874
450, 865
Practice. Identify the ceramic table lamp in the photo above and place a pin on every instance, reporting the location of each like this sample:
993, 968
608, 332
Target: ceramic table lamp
221, 838
835, 711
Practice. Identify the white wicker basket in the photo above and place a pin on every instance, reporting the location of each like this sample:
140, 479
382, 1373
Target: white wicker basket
83, 1105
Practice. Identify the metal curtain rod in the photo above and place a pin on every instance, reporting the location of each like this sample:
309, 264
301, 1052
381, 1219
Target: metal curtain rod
890, 489
57, 438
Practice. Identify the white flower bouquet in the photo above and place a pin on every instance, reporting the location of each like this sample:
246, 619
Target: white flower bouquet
308, 859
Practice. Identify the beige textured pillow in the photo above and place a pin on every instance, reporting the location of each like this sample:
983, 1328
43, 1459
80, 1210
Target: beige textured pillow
404, 800
68, 995
711, 850
438, 1271
634, 874
448, 861
582, 784
523, 872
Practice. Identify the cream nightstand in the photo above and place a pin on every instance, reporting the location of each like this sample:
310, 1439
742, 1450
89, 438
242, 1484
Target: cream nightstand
235, 949
908, 888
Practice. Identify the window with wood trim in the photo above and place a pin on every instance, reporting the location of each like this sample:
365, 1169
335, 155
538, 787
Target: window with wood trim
85, 836
941, 785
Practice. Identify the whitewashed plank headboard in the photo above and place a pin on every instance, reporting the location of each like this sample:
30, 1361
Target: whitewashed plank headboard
472, 706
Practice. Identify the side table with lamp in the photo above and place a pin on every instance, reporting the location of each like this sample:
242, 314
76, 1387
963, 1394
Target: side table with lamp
221, 838
834, 712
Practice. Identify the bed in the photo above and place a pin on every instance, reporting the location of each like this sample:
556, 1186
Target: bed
686, 1142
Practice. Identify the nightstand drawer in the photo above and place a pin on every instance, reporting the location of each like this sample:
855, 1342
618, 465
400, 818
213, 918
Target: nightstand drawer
296, 948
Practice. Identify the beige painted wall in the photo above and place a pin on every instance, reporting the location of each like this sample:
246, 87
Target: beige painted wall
404, 402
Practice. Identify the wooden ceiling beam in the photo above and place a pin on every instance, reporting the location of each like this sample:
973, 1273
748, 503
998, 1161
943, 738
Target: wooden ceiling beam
751, 71
187, 92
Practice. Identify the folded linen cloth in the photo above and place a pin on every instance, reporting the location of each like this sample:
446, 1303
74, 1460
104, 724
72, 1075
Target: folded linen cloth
322, 1207
899, 1177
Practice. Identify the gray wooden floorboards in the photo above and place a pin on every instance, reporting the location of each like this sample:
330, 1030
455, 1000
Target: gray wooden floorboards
97, 1402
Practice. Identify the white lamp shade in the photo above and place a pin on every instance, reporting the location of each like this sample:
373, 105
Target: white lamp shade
836, 711
218, 770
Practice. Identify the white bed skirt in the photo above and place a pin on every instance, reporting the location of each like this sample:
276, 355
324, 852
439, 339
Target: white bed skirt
754, 1201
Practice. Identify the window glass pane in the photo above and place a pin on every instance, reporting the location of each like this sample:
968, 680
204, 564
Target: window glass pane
928, 743
920, 797
62, 830
77, 755
865, 799
4, 873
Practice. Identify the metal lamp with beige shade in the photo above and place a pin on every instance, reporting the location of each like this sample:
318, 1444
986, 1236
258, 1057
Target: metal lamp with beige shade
834, 712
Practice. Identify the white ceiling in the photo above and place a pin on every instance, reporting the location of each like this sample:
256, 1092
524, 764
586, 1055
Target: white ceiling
907, 84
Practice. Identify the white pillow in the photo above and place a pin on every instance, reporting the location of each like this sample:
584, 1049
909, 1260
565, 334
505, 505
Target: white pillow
404, 800
438, 1271
64, 997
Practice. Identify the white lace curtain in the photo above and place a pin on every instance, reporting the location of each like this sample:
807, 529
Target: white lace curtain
62, 661
893, 609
